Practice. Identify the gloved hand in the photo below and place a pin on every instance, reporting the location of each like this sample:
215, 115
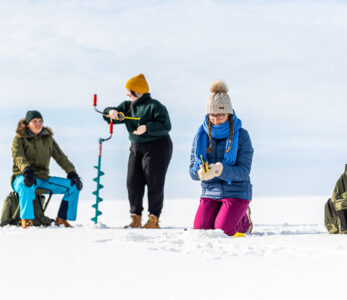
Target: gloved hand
75, 179
214, 170
29, 176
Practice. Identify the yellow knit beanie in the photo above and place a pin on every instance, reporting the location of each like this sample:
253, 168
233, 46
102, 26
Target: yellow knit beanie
138, 84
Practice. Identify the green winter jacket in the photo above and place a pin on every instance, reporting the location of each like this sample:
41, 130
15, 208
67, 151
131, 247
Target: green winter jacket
36, 151
151, 112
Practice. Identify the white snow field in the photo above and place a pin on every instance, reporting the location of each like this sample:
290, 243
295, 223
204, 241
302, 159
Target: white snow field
289, 255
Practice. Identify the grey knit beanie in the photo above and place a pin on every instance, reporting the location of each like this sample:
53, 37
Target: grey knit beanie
219, 101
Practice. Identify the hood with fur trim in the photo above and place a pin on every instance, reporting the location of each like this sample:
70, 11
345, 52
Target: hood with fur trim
22, 130
36, 151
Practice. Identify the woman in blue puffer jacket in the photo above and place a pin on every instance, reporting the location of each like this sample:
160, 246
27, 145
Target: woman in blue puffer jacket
221, 158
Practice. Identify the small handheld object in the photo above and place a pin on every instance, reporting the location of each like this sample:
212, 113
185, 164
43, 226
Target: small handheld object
205, 165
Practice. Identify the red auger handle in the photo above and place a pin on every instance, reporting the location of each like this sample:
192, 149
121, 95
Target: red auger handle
111, 127
95, 99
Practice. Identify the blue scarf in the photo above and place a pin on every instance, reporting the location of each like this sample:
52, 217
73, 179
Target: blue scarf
221, 131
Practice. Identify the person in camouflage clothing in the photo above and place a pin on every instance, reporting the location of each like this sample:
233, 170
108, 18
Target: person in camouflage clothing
32, 149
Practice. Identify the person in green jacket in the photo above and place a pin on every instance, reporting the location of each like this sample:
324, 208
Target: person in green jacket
148, 124
32, 149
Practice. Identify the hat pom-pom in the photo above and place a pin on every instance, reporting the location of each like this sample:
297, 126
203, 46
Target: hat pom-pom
219, 87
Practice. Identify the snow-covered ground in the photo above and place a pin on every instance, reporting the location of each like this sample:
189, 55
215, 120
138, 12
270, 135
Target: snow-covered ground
289, 256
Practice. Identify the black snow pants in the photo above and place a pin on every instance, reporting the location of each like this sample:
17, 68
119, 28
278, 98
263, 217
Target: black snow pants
148, 164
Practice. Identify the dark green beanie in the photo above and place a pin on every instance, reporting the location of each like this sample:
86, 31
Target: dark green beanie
32, 114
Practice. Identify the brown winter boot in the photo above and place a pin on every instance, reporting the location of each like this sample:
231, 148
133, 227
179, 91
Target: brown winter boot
152, 223
135, 223
25, 223
60, 221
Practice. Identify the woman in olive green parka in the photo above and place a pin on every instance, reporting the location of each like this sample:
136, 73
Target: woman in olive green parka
32, 149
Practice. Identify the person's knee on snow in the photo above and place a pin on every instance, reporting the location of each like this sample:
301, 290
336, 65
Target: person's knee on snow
230, 215
206, 214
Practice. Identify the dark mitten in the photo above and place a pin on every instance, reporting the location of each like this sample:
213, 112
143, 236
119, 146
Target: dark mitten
29, 176
75, 179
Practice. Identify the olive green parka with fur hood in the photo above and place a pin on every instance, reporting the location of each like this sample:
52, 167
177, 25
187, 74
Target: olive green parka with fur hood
36, 151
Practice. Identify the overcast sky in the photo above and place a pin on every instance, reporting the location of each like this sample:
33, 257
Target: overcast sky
284, 62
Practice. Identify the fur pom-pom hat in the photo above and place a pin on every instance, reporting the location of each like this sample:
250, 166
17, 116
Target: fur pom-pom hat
219, 100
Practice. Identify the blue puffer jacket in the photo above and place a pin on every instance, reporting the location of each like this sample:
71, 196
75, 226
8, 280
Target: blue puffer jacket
238, 174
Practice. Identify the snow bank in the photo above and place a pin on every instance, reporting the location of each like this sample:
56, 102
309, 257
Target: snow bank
283, 258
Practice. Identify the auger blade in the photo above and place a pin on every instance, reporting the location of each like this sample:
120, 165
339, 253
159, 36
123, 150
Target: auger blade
98, 185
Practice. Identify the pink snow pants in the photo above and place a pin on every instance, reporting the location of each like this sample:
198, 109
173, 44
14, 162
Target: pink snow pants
227, 214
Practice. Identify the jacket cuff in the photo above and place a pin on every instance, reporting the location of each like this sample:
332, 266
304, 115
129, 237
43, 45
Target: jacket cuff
23, 166
69, 170
225, 173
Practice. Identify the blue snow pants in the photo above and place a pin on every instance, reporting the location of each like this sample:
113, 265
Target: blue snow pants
58, 185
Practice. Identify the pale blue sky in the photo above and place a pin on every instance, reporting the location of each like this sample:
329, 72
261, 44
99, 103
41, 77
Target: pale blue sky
284, 62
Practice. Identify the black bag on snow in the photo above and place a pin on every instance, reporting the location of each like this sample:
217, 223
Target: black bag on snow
10, 210
335, 211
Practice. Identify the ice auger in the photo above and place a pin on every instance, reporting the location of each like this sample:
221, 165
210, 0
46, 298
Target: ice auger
121, 115
99, 186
